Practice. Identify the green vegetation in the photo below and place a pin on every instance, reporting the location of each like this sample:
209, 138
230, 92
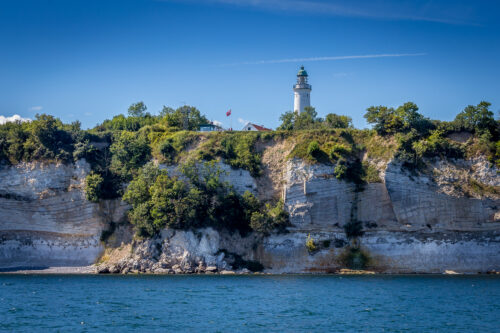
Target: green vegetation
313, 149
129, 152
196, 198
119, 151
474, 188
93, 183
311, 245
419, 138
45, 138
309, 120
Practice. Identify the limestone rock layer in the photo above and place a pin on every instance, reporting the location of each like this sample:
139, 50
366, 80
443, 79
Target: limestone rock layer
413, 222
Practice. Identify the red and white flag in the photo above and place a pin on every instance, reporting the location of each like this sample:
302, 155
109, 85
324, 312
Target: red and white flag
228, 113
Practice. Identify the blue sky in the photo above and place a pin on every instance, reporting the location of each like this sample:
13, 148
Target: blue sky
89, 60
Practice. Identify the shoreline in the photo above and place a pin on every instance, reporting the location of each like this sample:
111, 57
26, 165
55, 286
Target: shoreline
92, 270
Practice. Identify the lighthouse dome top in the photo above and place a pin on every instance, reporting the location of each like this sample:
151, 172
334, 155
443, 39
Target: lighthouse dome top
302, 71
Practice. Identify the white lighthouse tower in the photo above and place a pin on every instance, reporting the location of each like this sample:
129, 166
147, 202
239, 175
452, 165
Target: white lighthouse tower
302, 91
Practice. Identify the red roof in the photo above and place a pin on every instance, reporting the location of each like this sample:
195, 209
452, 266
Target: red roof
261, 128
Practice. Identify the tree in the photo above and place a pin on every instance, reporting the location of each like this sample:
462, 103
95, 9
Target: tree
93, 184
384, 119
337, 121
184, 118
476, 119
137, 109
165, 111
45, 128
406, 117
306, 119
287, 120
197, 199
130, 151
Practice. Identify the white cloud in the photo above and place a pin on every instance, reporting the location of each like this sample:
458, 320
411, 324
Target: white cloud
36, 108
88, 114
242, 121
365, 56
216, 122
13, 118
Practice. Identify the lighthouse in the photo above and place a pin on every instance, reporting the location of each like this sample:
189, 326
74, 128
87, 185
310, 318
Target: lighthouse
302, 91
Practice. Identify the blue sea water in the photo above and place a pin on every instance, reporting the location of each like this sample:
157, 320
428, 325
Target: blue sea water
288, 303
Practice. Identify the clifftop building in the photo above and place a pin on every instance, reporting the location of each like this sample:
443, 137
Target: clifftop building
302, 91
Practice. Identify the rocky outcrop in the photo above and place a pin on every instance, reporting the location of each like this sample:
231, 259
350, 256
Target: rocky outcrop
182, 252
45, 219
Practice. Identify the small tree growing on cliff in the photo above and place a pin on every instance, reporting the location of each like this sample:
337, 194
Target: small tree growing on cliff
311, 245
93, 187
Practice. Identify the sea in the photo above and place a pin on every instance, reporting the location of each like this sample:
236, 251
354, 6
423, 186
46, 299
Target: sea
249, 303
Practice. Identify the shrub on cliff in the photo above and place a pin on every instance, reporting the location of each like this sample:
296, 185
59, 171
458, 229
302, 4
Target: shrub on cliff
130, 152
339, 150
313, 149
238, 149
437, 145
197, 199
311, 245
93, 187
270, 219
341, 169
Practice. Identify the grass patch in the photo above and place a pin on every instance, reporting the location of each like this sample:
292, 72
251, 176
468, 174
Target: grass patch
480, 189
370, 173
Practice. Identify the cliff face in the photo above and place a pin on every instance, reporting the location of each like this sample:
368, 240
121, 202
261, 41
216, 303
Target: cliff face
45, 219
413, 223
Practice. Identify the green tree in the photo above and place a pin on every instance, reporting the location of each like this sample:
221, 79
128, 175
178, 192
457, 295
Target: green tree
137, 109
476, 119
270, 218
306, 119
287, 121
93, 187
406, 117
384, 119
186, 117
165, 111
198, 199
333, 120
130, 152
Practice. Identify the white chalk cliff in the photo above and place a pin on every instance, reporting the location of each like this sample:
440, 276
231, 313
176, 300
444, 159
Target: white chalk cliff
412, 223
